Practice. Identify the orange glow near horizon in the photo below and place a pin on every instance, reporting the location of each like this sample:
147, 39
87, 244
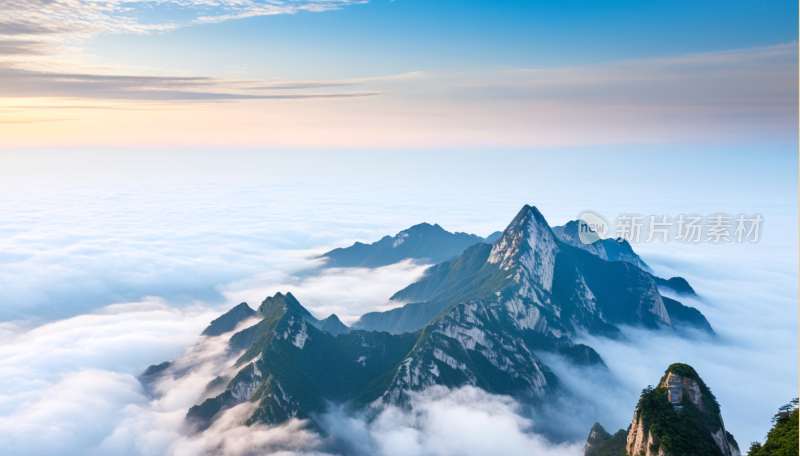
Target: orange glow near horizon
707, 97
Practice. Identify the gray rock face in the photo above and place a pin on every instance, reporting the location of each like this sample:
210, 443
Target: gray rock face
638, 437
473, 344
678, 387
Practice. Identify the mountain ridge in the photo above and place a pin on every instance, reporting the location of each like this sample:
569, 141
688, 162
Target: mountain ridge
423, 241
228, 321
456, 280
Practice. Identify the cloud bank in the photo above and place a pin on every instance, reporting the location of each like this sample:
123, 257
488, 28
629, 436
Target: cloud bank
66, 385
105, 243
69, 386
347, 292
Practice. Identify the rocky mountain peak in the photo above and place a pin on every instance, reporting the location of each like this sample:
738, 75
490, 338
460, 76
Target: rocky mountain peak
601, 443
479, 319
283, 303
528, 249
679, 416
422, 228
608, 249
333, 325
228, 321
596, 435
528, 231
423, 242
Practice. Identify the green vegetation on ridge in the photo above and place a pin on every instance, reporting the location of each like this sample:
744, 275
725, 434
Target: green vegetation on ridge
782, 439
685, 431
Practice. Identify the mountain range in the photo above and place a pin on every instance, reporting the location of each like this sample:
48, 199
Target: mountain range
593, 293
479, 319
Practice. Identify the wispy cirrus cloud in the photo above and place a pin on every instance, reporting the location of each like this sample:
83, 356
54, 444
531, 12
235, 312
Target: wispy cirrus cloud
58, 21
42, 48
42, 55
23, 83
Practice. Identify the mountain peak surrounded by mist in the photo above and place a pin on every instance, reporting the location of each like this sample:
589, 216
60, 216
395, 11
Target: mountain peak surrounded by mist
482, 320
523, 263
679, 416
229, 320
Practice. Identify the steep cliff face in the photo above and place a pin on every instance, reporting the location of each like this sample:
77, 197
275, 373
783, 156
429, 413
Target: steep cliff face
679, 387
597, 436
473, 344
679, 416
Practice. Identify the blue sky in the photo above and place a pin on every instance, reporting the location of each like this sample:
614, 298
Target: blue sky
389, 37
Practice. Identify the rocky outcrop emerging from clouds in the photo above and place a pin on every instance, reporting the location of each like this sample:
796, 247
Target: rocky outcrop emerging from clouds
678, 285
601, 443
679, 416
290, 368
293, 369
229, 320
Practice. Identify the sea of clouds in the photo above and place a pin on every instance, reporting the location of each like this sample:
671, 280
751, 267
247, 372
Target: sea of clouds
100, 280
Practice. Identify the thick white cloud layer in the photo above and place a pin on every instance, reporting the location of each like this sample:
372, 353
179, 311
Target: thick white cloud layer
91, 246
67, 385
463, 421
70, 387
749, 295
347, 292
77, 265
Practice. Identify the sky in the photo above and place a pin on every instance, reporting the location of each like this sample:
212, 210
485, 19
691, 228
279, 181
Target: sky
397, 74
